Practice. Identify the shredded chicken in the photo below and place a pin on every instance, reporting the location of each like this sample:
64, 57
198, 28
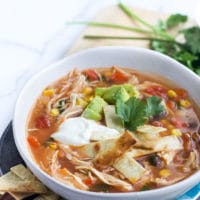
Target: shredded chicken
105, 178
70, 179
74, 84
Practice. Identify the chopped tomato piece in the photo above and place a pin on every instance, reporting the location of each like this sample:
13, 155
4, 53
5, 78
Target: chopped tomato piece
171, 105
91, 75
42, 122
181, 93
119, 77
178, 123
88, 181
33, 141
156, 90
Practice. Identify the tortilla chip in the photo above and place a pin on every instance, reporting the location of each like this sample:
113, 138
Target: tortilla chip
20, 196
20, 179
129, 167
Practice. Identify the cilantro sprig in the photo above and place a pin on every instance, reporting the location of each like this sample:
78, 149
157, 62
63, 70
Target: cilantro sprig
136, 112
159, 37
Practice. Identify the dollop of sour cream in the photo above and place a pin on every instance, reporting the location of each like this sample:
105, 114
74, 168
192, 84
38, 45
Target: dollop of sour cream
79, 131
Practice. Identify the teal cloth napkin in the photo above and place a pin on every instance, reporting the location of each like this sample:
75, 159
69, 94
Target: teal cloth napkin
192, 194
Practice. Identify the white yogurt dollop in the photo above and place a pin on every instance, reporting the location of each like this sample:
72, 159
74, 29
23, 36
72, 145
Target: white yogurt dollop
79, 131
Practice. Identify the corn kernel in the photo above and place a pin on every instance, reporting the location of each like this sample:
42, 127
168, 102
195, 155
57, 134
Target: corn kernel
165, 173
87, 91
48, 92
170, 126
171, 94
81, 102
54, 112
185, 103
53, 146
176, 132
89, 98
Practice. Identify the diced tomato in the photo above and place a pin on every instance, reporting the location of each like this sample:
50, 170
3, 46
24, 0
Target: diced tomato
171, 105
156, 90
88, 181
91, 75
181, 93
157, 123
119, 77
33, 141
178, 123
42, 122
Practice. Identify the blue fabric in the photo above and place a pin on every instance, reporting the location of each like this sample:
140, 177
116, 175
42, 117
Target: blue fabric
191, 194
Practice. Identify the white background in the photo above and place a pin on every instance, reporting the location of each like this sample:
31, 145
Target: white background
27, 26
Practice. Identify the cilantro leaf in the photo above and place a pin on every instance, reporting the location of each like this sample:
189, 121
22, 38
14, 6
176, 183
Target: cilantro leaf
154, 106
192, 39
131, 112
175, 19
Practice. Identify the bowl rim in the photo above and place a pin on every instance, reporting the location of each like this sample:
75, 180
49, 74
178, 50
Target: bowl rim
30, 161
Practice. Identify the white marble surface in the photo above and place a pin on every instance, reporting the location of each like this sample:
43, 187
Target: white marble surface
33, 33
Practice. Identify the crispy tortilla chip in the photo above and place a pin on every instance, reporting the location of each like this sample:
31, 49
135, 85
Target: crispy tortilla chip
136, 152
22, 172
106, 151
148, 137
129, 167
20, 179
20, 196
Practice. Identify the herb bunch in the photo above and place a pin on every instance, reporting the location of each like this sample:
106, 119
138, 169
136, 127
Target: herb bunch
186, 52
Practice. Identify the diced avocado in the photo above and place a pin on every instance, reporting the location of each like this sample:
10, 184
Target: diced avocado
115, 92
124, 91
99, 91
132, 90
90, 114
97, 104
112, 119
122, 94
95, 109
110, 94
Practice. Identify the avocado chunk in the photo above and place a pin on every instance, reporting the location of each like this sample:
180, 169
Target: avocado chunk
90, 114
95, 109
110, 94
100, 91
132, 90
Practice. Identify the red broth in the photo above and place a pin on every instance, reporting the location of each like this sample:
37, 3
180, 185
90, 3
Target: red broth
69, 164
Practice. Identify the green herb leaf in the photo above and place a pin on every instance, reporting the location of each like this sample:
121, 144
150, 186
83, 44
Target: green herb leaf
192, 39
131, 112
175, 20
154, 106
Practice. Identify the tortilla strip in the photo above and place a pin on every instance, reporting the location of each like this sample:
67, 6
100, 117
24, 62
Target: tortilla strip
106, 151
148, 137
20, 196
109, 150
129, 167
20, 179
136, 152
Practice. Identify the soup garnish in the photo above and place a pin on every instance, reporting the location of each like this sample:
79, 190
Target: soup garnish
114, 130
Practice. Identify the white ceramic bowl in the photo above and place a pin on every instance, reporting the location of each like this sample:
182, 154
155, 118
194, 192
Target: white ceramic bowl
137, 58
